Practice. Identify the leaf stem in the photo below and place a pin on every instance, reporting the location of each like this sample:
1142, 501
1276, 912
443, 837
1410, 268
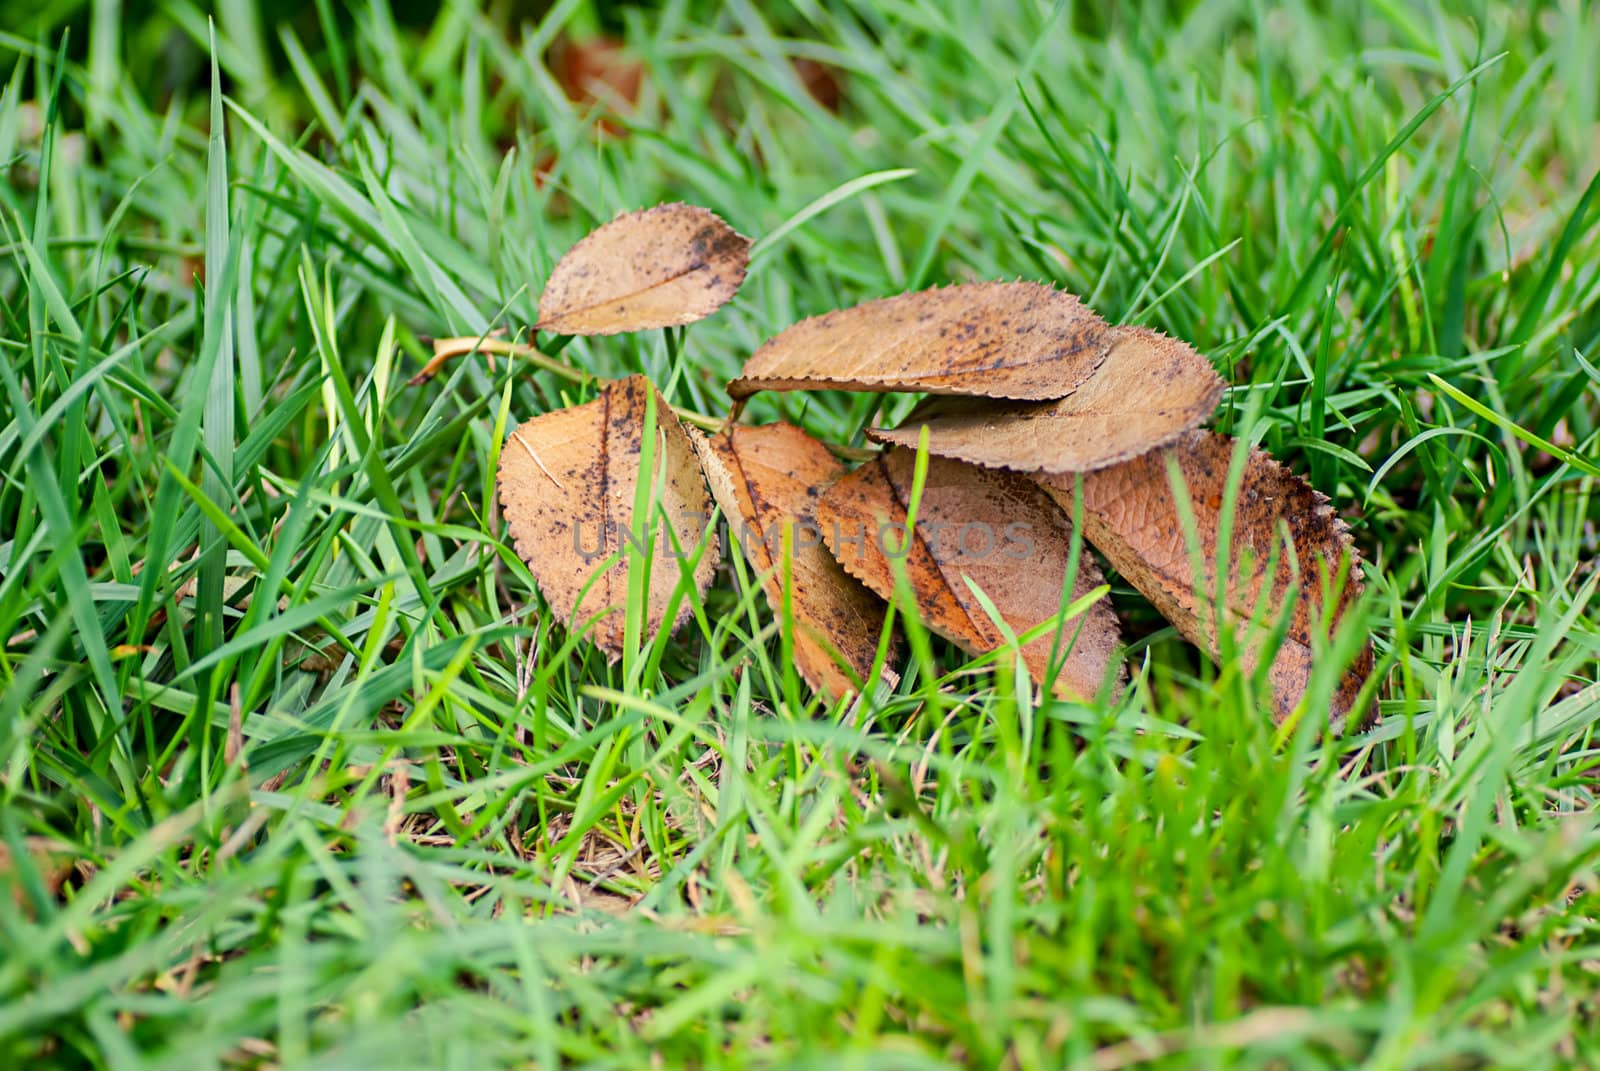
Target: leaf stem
446, 348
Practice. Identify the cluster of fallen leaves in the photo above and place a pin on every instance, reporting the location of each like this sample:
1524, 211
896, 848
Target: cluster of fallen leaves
1038, 412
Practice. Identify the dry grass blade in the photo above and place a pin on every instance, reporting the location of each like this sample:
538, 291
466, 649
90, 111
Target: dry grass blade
767, 480
1131, 514
568, 481
994, 340
1148, 392
996, 529
660, 267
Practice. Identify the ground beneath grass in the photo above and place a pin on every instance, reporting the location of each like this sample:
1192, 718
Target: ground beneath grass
295, 771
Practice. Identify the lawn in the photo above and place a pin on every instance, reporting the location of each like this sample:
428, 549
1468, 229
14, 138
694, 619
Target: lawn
296, 768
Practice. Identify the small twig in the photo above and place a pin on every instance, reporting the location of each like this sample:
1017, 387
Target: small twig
526, 446
840, 450
399, 786
699, 420
446, 348
851, 453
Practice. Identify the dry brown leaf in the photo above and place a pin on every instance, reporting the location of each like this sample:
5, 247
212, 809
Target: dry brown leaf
598, 70
821, 81
996, 528
767, 480
660, 267
567, 482
995, 340
1148, 392
1130, 513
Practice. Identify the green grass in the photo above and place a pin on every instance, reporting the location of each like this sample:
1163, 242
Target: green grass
335, 791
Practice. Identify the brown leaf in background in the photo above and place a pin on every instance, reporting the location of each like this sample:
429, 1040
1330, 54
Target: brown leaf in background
660, 267
598, 70
1129, 512
995, 340
996, 528
1148, 392
567, 482
821, 81
767, 480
